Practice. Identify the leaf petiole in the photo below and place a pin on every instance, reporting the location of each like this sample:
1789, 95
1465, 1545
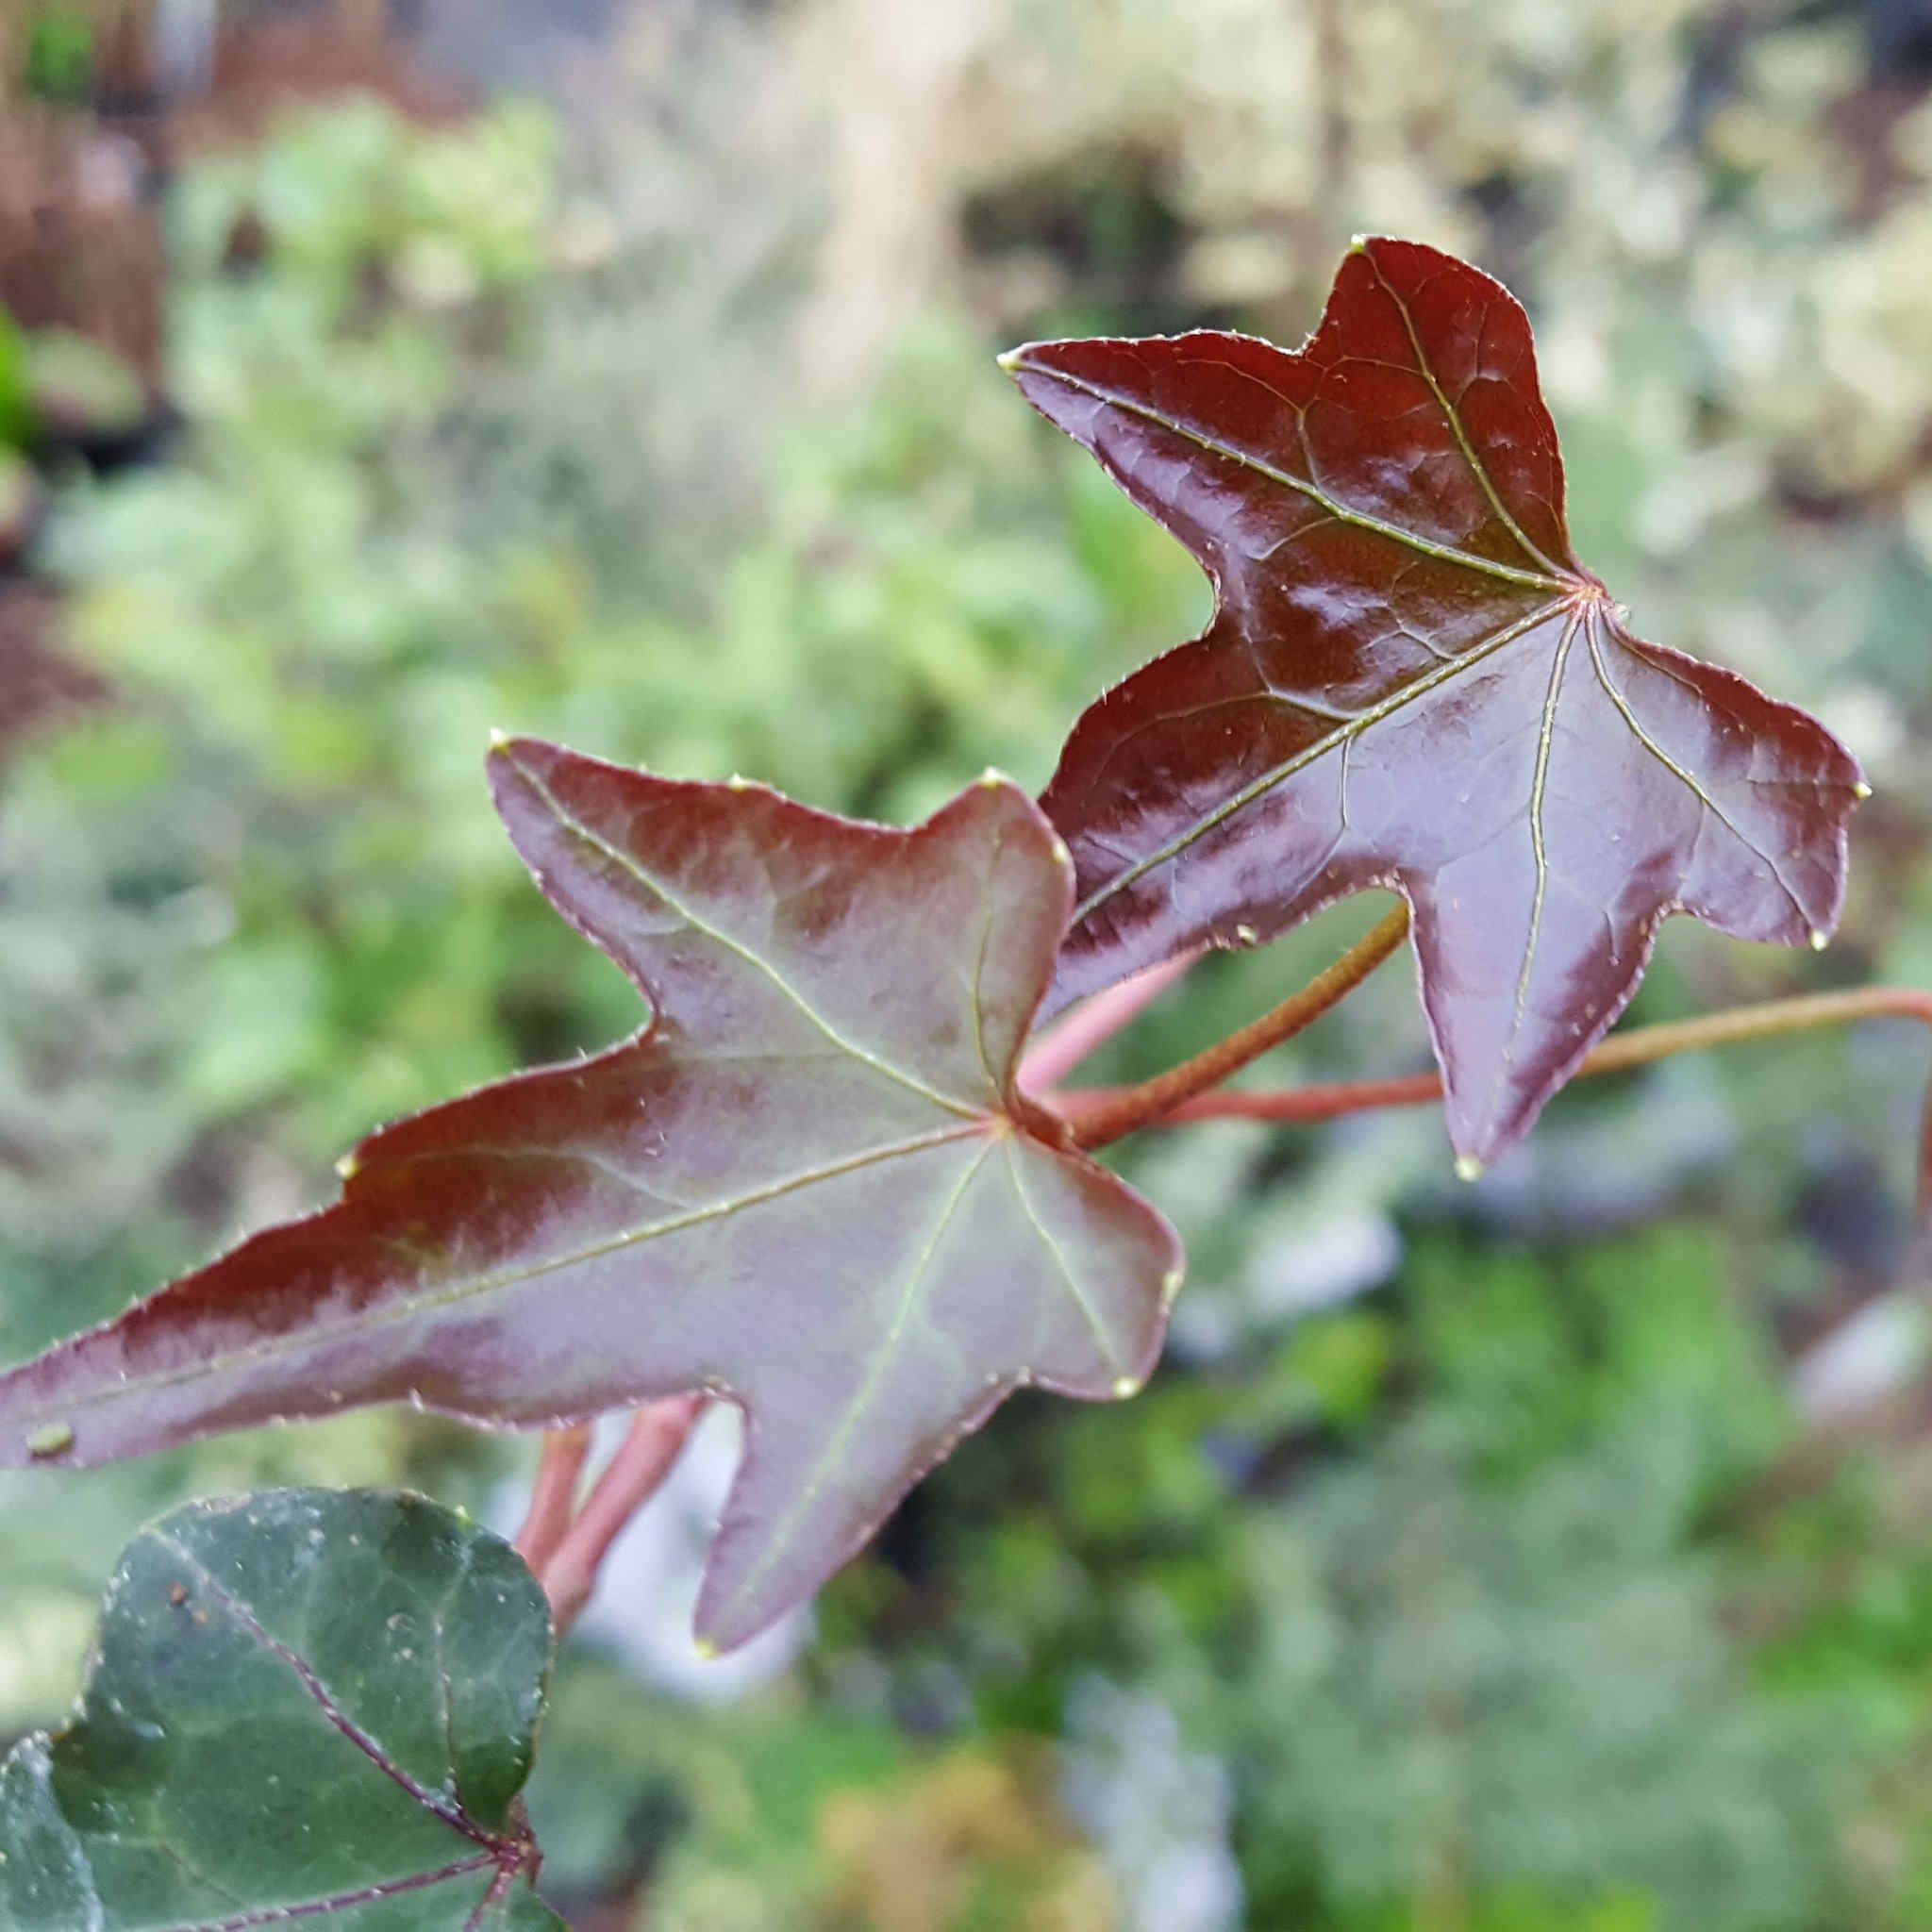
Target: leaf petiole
553, 1500
656, 1439
1099, 1116
1639, 1047
1095, 1021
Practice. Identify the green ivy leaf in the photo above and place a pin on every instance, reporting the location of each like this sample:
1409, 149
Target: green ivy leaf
302, 1704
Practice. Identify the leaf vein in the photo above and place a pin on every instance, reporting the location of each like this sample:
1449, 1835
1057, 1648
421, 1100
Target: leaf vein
1545, 736
1683, 777
1257, 787
626, 863
296, 1342
861, 1399
1096, 1325
340, 1901
1301, 485
1453, 416
435, 1803
975, 1003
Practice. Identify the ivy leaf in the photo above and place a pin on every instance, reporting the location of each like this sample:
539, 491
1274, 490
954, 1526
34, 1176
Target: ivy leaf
811, 1184
1410, 681
303, 1705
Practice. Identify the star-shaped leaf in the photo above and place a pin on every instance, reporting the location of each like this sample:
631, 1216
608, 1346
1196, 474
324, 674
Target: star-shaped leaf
810, 1184
1410, 681
303, 1707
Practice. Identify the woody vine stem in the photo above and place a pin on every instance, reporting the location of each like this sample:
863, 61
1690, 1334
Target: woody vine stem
564, 1544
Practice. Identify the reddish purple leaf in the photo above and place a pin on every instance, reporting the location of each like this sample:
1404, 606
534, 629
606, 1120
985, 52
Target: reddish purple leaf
810, 1184
1410, 681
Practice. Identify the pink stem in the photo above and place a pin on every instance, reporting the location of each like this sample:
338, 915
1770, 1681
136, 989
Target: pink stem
1288, 1104
658, 1432
1098, 1118
558, 1464
1094, 1022
1639, 1047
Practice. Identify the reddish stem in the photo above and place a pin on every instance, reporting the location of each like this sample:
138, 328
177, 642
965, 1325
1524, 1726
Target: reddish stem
1094, 1022
1113, 1112
559, 1463
658, 1432
1288, 1105
1635, 1048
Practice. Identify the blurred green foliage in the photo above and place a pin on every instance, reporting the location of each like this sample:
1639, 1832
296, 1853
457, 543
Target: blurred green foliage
1488, 1604
1467, 1658
15, 413
59, 63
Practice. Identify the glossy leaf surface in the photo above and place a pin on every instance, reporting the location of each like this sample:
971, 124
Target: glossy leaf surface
1410, 681
808, 1183
302, 1706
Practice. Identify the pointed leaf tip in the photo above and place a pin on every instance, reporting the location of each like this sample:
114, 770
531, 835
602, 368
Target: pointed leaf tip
1468, 1168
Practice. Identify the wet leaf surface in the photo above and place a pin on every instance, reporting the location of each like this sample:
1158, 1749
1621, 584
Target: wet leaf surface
808, 1185
1410, 681
302, 1706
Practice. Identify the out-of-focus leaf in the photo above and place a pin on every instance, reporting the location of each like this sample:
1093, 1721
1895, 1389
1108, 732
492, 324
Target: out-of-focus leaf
1922, 1192
59, 55
79, 388
20, 502
303, 1705
1410, 681
970, 1841
15, 413
810, 1185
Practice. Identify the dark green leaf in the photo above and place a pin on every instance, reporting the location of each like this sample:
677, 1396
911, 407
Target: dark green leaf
304, 1705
